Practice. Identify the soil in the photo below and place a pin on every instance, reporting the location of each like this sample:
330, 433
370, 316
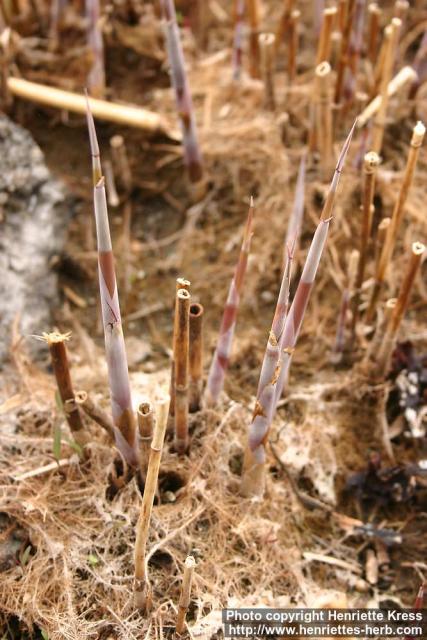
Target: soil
66, 547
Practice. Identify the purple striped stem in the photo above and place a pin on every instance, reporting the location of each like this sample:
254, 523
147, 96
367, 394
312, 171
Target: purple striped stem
96, 75
221, 356
255, 457
255, 454
121, 402
184, 103
293, 232
354, 50
236, 60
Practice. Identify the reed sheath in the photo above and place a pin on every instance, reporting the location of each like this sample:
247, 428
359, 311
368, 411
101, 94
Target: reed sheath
391, 34
181, 364
145, 416
384, 355
142, 589
397, 216
370, 167
324, 46
59, 359
222, 353
266, 45
196, 356
185, 597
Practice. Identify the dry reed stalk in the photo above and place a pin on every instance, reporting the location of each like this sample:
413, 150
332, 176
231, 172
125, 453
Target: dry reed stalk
293, 232
142, 589
239, 15
396, 219
110, 183
283, 25
196, 356
324, 117
340, 341
294, 21
401, 8
96, 75
184, 103
181, 366
374, 20
185, 597
121, 162
370, 167
382, 358
222, 353
58, 354
391, 35
324, 46
137, 117
344, 52
121, 402
181, 283
341, 15
252, 7
266, 45
145, 417
98, 415
272, 384
380, 239
255, 455
405, 75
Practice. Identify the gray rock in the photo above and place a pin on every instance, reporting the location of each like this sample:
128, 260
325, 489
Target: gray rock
33, 217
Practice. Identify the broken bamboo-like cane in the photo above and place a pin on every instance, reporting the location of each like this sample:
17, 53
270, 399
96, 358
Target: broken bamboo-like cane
185, 597
383, 357
149, 121
58, 354
196, 356
370, 167
142, 589
391, 34
145, 417
266, 45
324, 118
324, 46
181, 364
396, 219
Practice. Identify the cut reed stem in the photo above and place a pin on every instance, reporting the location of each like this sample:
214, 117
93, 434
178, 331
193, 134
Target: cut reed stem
181, 360
294, 21
58, 354
391, 34
121, 163
344, 52
142, 589
196, 356
222, 353
145, 417
370, 167
181, 283
95, 412
252, 7
374, 20
324, 117
324, 46
185, 597
396, 219
110, 183
152, 123
266, 45
340, 337
384, 355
